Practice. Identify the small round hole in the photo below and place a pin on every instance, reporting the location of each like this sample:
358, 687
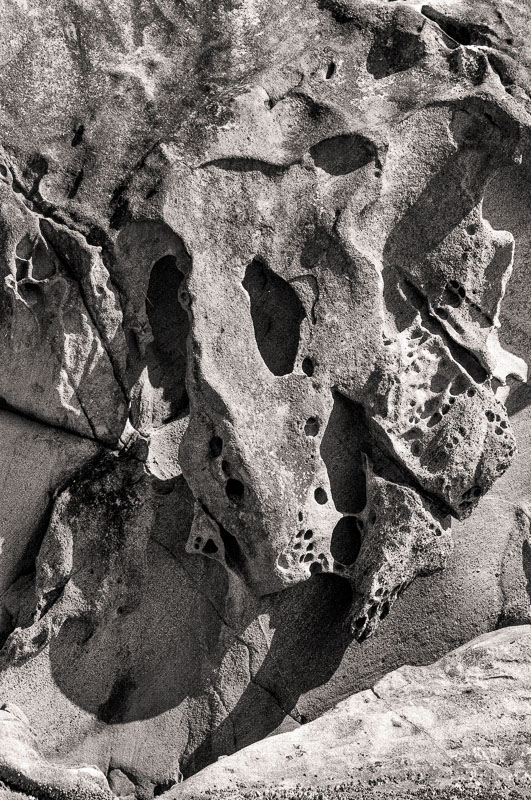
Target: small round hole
320, 496
311, 427
308, 535
308, 367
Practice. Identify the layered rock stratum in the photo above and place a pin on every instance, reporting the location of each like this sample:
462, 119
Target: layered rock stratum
264, 331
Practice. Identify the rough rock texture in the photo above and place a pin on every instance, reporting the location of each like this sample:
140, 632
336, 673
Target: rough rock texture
24, 768
464, 718
263, 334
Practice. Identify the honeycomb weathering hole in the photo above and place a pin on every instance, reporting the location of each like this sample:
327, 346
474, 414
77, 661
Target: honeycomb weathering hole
277, 314
169, 325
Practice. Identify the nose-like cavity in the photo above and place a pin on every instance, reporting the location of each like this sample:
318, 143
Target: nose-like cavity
277, 314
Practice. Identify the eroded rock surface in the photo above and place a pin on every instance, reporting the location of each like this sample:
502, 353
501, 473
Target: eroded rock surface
263, 328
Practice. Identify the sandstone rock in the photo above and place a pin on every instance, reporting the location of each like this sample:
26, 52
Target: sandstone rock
22, 766
264, 336
464, 717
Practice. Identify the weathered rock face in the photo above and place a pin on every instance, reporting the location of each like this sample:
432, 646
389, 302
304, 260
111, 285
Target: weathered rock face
464, 718
257, 362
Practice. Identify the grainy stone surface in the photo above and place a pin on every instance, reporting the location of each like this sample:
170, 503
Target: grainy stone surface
263, 334
464, 720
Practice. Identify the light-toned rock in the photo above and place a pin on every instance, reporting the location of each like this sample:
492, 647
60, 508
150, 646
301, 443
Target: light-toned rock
263, 282
465, 717
22, 767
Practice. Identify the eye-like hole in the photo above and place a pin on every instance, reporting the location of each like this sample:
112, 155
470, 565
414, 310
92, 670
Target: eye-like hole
346, 437
166, 356
345, 543
320, 496
277, 314
394, 50
339, 155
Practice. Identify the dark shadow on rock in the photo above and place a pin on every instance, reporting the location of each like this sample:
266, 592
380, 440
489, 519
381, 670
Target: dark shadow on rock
139, 665
166, 356
140, 661
307, 647
518, 399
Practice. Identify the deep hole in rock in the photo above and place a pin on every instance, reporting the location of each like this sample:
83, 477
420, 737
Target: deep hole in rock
42, 262
321, 496
346, 541
210, 547
308, 366
385, 610
342, 154
311, 428
234, 490
160, 788
277, 314
166, 356
78, 136
234, 557
345, 437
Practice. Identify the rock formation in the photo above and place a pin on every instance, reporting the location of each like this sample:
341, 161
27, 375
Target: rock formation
263, 327
461, 721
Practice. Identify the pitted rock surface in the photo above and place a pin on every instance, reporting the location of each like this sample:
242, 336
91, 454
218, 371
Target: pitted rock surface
264, 336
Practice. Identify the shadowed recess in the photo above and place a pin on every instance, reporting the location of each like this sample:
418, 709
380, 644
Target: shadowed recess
166, 356
277, 314
340, 155
394, 50
308, 644
465, 33
346, 541
344, 439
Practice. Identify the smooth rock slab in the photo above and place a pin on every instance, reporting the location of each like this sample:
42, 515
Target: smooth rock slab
465, 716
